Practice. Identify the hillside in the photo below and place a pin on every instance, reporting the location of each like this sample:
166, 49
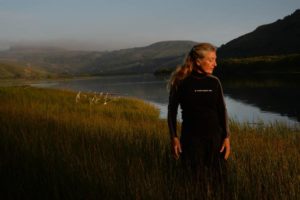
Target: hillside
54, 60
167, 54
262, 66
10, 70
280, 37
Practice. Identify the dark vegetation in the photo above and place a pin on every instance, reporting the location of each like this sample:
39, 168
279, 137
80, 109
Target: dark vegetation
261, 66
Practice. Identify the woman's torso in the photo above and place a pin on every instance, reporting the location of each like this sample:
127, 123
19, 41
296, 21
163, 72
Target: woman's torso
199, 96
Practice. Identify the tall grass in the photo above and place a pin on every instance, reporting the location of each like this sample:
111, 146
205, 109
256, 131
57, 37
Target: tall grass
56, 146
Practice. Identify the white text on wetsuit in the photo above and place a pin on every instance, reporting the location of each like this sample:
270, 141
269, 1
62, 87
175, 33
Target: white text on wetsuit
203, 90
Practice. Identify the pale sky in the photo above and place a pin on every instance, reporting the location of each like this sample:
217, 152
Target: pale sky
116, 24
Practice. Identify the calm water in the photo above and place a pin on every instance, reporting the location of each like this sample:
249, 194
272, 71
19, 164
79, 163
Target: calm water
251, 106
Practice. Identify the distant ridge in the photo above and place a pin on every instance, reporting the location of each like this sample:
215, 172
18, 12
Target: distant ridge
165, 54
148, 59
27, 48
280, 37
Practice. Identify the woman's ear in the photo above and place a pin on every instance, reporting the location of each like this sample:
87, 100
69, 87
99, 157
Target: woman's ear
198, 62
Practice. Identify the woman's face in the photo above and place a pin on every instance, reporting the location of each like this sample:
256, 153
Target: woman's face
208, 62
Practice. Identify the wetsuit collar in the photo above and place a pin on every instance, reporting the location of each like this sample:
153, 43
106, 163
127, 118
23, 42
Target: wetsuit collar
198, 74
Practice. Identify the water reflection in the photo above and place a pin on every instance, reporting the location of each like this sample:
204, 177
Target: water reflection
280, 100
249, 105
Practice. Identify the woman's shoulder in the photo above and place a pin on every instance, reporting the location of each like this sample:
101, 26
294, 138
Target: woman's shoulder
213, 77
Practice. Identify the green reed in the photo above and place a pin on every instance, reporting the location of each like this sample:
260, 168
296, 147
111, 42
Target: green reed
64, 145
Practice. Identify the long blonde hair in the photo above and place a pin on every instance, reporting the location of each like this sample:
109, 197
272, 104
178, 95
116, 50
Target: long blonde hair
197, 52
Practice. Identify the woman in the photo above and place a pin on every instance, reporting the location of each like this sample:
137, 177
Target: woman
204, 142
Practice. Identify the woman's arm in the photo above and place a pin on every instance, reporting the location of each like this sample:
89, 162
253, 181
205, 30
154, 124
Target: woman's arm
172, 122
223, 116
222, 111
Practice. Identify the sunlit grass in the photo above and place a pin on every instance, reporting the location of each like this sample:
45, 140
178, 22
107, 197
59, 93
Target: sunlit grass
65, 145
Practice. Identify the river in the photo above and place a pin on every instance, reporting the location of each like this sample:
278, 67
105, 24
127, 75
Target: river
251, 106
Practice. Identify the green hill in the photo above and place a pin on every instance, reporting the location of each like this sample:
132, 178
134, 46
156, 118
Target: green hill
54, 60
167, 54
10, 70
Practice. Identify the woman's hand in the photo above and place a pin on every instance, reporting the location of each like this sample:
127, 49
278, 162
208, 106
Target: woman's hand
226, 146
176, 147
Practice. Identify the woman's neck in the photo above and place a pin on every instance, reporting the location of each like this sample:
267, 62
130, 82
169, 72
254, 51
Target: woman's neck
200, 71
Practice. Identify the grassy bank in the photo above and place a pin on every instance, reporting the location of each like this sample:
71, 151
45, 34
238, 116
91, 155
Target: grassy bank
62, 145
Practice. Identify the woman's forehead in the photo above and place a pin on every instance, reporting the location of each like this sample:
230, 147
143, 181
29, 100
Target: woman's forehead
210, 54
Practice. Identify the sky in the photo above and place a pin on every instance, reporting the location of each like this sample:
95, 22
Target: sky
117, 24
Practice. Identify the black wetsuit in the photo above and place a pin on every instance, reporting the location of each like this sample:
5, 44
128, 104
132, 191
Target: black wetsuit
204, 122
203, 108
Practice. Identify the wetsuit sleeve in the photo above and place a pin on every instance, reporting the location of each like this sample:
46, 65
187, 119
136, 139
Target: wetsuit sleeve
172, 111
223, 116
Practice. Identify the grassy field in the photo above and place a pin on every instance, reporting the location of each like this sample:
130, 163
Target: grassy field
62, 145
